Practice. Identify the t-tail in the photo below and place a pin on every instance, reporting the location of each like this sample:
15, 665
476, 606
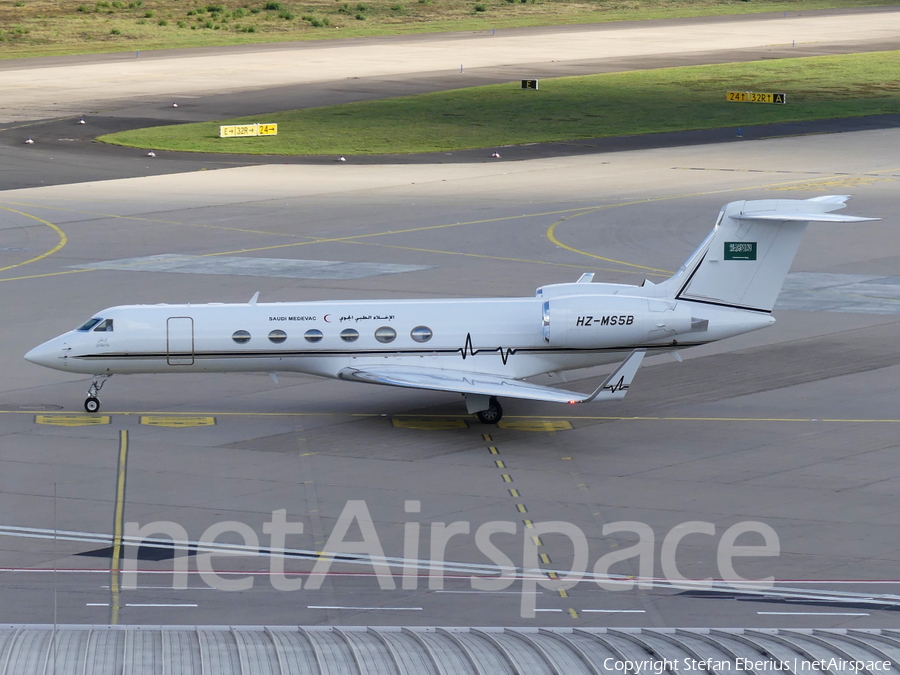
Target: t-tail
742, 264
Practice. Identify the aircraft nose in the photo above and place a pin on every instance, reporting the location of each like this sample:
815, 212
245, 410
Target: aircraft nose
47, 354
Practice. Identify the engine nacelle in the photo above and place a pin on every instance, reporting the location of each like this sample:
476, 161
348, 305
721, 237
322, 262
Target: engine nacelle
598, 321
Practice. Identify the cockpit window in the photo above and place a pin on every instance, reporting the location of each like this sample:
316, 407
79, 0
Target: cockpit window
106, 326
87, 325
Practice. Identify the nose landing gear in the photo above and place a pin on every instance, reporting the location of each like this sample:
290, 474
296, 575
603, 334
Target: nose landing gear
92, 403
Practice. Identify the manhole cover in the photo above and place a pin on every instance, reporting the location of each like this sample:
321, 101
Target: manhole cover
38, 406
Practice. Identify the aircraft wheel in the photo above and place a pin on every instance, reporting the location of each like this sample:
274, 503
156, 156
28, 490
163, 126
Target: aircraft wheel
92, 404
493, 414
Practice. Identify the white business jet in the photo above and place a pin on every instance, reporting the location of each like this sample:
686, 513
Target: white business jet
480, 348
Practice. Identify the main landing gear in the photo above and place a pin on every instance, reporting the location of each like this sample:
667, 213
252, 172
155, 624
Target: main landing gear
92, 403
492, 414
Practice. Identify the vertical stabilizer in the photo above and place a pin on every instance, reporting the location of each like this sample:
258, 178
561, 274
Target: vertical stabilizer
744, 261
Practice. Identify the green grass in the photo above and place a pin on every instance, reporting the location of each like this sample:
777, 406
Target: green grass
567, 108
54, 27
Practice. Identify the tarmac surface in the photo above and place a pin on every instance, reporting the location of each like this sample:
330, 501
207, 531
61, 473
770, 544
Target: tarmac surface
794, 427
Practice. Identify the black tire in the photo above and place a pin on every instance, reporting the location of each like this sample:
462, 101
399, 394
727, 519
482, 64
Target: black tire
493, 414
92, 404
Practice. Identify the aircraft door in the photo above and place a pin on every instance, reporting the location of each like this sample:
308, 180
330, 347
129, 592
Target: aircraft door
180, 341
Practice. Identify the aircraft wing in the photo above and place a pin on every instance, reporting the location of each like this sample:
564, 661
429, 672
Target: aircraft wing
464, 382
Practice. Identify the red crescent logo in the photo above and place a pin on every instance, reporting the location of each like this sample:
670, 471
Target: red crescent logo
326, 318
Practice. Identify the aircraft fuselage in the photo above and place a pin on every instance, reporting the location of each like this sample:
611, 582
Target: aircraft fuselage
503, 336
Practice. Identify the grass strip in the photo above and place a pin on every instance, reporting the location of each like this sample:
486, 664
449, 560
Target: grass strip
567, 108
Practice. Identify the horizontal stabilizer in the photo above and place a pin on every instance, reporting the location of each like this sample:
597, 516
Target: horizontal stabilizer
805, 217
463, 382
830, 199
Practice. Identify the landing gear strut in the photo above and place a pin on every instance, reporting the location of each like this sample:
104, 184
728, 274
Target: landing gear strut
492, 414
92, 403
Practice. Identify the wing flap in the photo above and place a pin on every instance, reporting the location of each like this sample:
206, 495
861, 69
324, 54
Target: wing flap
463, 382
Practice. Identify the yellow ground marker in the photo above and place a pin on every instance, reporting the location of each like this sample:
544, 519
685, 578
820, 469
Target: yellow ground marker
529, 525
176, 422
535, 425
506, 478
487, 437
552, 575
499, 463
493, 450
521, 508
429, 424
545, 558
573, 613
515, 493
563, 593
537, 541
71, 420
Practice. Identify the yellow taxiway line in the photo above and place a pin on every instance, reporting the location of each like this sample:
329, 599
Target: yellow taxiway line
118, 524
62, 239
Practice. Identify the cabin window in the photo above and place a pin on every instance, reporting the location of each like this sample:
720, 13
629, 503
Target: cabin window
277, 336
241, 337
105, 326
385, 334
313, 335
349, 335
421, 333
87, 325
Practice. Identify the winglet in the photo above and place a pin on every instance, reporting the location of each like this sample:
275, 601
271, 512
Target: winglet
254, 298
616, 385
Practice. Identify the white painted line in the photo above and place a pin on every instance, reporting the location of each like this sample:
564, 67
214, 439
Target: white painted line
165, 588
157, 604
838, 581
616, 611
816, 613
411, 609
498, 592
548, 610
96, 604
288, 268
